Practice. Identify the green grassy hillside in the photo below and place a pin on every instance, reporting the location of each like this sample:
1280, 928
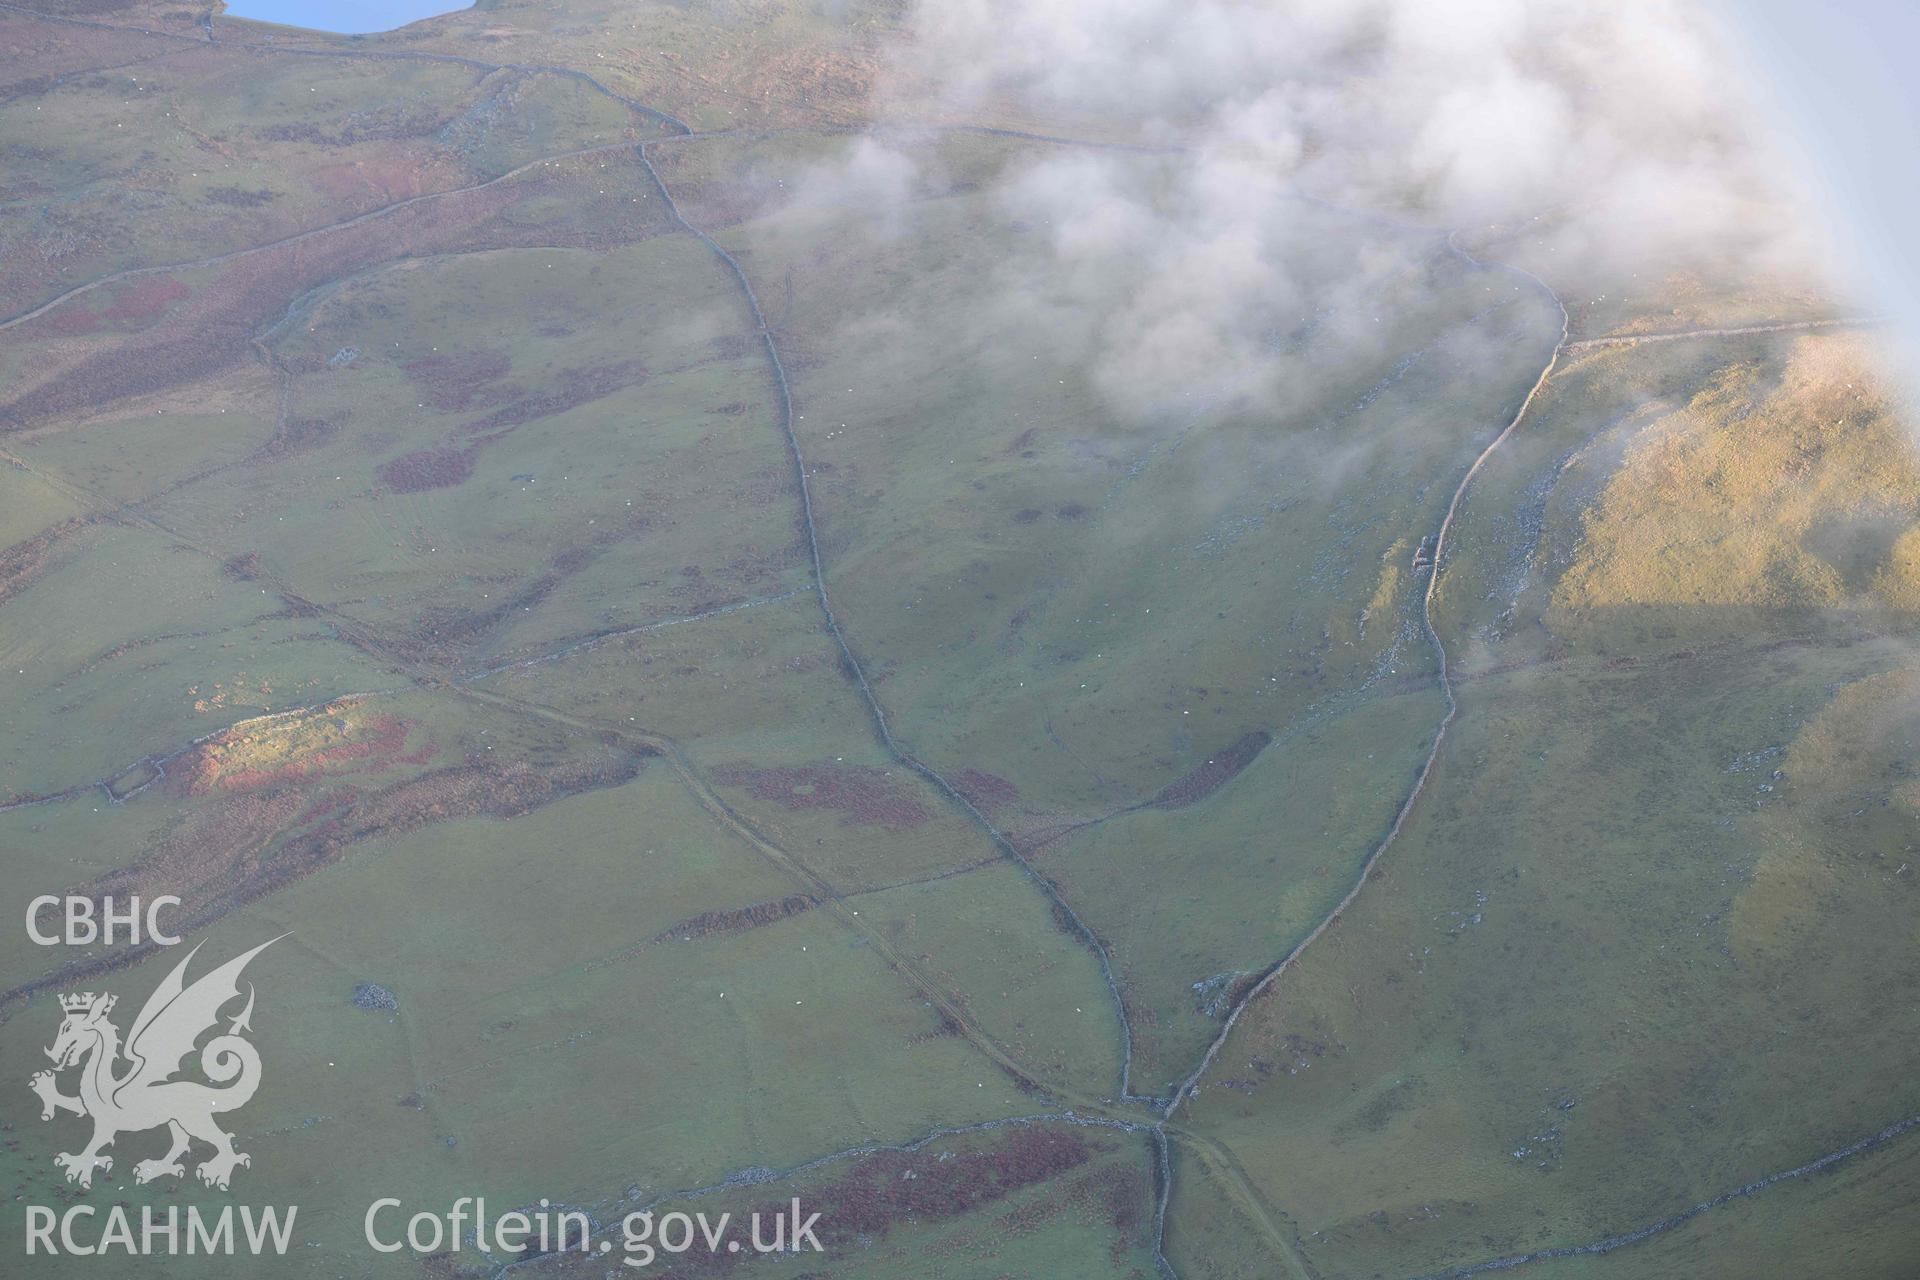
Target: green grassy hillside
806, 671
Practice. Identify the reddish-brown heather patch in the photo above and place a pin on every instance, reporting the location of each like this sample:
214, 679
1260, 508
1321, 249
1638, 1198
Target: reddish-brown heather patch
577, 387
1199, 783
1083, 1194
23, 562
330, 803
876, 1192
211, 329
1025, 1219
204, 847
439, 628
382, 172
715, 204
860, 795
1119, 1194
421, 755
453, 382
240, 197
295, 436
144, 300
927, 1185
68, 322
985, 790
443, 466
49, 52
727, 920
440, 467
241, 849
208, 768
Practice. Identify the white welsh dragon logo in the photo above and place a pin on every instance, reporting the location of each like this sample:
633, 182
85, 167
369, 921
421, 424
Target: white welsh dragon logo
145, 1095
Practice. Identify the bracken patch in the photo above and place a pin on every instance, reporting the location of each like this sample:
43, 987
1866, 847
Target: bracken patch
256, 759
578, 387
728, 920
454, 382
1197, 784
932, 1184
23, 562
440, 467
860, 795
144, 301
240, 851
985, 790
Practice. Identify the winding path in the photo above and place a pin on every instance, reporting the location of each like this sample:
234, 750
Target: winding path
1272, 974
1734, 331
1625, 1238
310, 233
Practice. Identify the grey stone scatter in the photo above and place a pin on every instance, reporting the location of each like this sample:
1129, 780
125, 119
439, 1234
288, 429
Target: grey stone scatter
371, 995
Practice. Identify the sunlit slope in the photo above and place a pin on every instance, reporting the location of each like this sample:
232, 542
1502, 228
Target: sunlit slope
1811, 442
1645, 941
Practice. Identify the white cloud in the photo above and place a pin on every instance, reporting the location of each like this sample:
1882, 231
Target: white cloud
1620, 126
